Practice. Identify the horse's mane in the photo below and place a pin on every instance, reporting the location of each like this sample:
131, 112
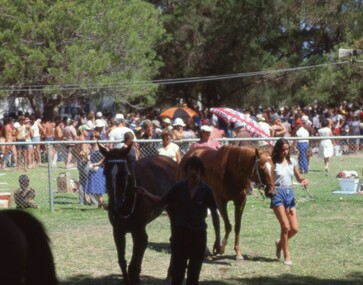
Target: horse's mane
40, 264
234, 159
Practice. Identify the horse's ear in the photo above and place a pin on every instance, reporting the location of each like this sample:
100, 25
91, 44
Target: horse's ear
102, 149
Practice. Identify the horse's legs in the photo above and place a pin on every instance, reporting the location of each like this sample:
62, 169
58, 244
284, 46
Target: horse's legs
140, 238
119, 237
239, 206
222, 207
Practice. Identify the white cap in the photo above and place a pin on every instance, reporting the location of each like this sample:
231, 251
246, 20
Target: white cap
206, 128
119, 116
260, 117
239, 124
305, 118
99, 114
99, 123
167, 121
178, 122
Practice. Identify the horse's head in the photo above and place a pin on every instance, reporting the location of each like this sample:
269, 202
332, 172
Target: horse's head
264, 174
119, 178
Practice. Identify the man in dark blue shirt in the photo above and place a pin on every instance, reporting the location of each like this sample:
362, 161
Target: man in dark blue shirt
188, 202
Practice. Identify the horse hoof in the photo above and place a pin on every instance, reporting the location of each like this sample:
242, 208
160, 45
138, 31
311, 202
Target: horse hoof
239, 257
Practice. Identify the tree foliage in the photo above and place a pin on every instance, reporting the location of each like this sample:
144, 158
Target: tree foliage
212, 37
57, 49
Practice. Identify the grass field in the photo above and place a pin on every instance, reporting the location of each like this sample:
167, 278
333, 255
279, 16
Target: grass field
327, 250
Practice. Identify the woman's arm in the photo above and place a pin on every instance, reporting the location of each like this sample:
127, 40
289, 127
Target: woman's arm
302, 180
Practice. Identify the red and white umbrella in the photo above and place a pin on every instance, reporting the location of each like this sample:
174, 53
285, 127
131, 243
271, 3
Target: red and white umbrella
230, 115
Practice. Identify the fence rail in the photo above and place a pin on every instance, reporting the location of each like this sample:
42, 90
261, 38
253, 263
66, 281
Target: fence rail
28, 180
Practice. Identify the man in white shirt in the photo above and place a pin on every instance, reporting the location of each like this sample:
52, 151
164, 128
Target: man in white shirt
266, 128
302, 146
118, 133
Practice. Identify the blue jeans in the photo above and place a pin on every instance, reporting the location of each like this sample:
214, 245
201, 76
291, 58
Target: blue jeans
302, 158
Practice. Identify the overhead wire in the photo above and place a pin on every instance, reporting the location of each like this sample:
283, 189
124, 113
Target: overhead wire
74, 86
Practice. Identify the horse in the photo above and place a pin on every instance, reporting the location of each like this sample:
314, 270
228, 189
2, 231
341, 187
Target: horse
230, 171
129, 212
26, 257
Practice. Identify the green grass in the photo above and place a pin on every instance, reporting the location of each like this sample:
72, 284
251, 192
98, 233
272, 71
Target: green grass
327, 250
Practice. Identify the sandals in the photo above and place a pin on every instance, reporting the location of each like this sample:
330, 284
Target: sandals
288, 262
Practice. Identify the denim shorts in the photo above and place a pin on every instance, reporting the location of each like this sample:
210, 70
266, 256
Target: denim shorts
284, 196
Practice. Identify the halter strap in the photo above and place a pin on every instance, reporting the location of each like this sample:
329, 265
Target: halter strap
115, 161
255, 169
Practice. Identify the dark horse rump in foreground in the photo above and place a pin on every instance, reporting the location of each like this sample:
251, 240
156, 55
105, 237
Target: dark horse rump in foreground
230, 171
129, 212
26, 256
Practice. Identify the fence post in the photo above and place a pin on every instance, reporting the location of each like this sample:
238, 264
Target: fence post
51, 200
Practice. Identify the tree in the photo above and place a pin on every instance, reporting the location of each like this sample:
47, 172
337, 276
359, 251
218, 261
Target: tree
212, 37
56, 49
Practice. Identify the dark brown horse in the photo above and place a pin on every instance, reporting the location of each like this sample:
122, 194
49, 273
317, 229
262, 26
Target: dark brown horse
230, 171
26, 257
129, 212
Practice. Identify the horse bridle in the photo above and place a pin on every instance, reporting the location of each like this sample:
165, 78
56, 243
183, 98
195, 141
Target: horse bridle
261, 185
123, 161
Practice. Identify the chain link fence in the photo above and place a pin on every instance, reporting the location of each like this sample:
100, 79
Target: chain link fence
74, 175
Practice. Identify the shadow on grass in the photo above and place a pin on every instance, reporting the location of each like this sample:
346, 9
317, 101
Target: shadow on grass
228, 259
108, 280
159, 247
353, 279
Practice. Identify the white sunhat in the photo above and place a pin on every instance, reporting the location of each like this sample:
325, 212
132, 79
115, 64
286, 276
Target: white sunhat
206, 128
99, 114
99, 123
239, 124
179, 122
119, 116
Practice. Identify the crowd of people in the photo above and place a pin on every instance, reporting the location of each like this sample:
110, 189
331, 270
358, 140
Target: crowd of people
304, 122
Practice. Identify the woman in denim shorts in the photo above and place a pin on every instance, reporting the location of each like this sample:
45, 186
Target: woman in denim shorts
283, 203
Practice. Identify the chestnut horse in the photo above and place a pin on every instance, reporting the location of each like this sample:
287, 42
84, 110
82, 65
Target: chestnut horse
26, 256
230, 171
129, 212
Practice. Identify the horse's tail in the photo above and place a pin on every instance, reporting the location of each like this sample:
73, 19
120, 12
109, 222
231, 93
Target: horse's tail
40, 264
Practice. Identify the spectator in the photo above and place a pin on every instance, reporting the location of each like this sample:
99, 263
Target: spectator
302, 146
37, 129
48, 128
150, 148
239, 131
96, 184
278, 128
24, 196
83, 168
157, 127
166, 123
22, 128
326, 148
266, 128
178, 127
205, 139
59, 149
70, 135
118, 132
100, 127
10, 150
168, 148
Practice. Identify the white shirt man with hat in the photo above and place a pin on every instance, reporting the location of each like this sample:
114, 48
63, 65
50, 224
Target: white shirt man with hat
205, 138
240, 131
118, 133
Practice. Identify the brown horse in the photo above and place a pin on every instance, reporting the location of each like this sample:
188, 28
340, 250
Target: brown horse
230, 171
129, 212
26, 256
